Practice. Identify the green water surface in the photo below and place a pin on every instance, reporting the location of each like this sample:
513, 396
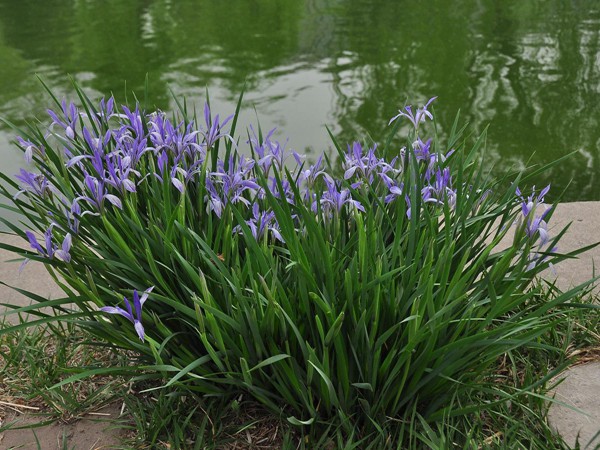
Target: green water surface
529, 69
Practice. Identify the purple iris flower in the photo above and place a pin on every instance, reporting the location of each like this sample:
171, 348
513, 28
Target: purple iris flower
33, 182
72, 212
98, 193
260, 223
30, 148
278, 154
181, 139
106, 108
535, 223
527, 205
51, 249
134, 119
214, 128
394, 189
187, 141
119, 170
422, 150
214, 201
285, 192
64, 252
97, 146
310, 176
176, 170
130, 138
270, 152
162, 160
160, 131
236, 180
130, 145
105, 112
188, 155
261, 149
135, 316
441, 189
175, 180
423, 153
36, 245
69, 120
539, 225
365, 164
408, 206
335, 198
415, 118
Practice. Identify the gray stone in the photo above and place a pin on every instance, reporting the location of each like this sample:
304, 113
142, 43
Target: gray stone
584, 230
34, 278
580, 390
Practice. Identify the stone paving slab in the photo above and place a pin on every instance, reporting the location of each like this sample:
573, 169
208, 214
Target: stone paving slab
584, 230
581, 386
580, 389
34, 277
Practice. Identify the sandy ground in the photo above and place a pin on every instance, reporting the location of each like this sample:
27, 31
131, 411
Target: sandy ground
581, 389
92, 432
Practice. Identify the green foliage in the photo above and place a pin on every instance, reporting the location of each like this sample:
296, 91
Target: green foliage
355, 321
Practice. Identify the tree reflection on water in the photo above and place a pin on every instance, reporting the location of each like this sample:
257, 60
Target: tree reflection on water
531, 69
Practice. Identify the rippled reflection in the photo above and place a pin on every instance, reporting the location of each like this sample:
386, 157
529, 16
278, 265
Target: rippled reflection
530, 69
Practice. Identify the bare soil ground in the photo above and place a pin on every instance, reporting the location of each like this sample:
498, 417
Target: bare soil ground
91, 432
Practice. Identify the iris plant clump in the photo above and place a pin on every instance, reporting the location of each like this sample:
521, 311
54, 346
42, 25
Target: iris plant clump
361, 292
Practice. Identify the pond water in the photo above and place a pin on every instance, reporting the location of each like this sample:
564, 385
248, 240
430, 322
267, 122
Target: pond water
528, 69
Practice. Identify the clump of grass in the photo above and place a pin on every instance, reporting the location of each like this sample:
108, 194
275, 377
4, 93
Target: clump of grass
368, 309
172, 419
34, 359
